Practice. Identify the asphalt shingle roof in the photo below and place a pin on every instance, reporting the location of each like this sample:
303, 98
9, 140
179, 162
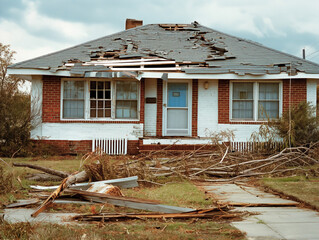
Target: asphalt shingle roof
209, 51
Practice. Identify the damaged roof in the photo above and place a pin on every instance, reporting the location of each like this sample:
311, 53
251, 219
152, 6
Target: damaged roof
190, 48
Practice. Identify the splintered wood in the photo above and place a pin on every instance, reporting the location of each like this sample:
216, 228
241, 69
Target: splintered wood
222, 165
216, 213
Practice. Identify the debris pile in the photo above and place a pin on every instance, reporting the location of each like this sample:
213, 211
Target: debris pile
224, 165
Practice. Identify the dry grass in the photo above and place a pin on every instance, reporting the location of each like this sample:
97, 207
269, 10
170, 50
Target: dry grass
125, 230
306, 190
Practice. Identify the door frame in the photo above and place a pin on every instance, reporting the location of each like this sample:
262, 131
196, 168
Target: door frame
189, 104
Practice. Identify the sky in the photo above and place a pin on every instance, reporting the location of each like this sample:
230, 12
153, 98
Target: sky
37, 27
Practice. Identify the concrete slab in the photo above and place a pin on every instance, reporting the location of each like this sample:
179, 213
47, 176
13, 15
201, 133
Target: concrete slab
298, 231
24, 215
269, 222
243, 194
257, 231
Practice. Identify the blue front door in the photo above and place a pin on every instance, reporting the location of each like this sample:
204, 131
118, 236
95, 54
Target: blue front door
177, 109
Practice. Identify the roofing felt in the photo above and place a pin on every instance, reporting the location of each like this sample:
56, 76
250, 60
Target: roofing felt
204, 50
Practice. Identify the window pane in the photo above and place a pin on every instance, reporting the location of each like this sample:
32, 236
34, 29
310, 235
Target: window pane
73, 99
108, 113
73, 108
126, 109
243, 91
108, 94
242, 109
100, 93
269, 91
107, 104
126, 96
267, 109
73, 89
93, 113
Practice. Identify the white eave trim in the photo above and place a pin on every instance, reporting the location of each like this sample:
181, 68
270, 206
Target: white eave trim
229, 76
25, 72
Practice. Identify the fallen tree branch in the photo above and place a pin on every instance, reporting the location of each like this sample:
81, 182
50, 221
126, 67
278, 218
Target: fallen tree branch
43, 169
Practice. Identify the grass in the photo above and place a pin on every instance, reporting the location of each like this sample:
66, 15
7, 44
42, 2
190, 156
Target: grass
21, 184
135, 229
306, 190
183, 194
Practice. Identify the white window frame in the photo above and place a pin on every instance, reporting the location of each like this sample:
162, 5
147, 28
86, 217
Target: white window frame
255, 100
87, 100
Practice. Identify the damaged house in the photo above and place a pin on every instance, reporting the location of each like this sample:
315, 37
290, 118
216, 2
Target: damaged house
160, 84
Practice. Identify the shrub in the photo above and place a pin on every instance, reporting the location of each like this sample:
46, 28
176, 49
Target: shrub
299, 127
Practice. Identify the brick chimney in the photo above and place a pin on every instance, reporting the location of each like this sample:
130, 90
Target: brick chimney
132, 23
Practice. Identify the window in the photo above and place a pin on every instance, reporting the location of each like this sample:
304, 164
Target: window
99, 99
255, 100
243, 101
73, 99
268, 103
126, 100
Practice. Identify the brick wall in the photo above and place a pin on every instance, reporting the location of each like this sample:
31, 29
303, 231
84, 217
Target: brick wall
51, 96
223, 101
83, 146
194, 108
159, 112
142, 101
298, 94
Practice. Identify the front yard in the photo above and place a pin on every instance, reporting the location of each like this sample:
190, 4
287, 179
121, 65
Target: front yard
174, 191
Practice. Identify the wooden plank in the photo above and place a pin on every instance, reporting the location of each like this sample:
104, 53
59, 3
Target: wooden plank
206, 213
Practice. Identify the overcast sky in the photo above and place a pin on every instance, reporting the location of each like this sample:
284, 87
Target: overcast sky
37, 27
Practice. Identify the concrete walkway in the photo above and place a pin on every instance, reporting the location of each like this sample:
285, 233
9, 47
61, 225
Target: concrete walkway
269, 222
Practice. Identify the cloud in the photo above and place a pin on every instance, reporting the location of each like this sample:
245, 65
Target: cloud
52, 25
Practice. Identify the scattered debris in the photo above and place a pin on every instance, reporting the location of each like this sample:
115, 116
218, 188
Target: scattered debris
213, 213
43, 169
23, 203
128, 182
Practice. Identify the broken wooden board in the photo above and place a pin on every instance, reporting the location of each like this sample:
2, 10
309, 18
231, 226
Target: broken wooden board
128, 182
214, 213
142, 204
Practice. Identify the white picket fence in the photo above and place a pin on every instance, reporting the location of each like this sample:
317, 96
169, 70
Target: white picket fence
110, 146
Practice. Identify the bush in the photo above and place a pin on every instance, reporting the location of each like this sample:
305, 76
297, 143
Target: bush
15, 110
299, 127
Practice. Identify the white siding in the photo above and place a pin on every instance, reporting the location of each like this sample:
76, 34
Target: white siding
242, 131
150, 109
36, 106
87, 131
312, 92
208, 114
207, 107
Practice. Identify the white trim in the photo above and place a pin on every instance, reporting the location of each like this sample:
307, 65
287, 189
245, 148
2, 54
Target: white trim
174, 75
255, 100
177, 141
